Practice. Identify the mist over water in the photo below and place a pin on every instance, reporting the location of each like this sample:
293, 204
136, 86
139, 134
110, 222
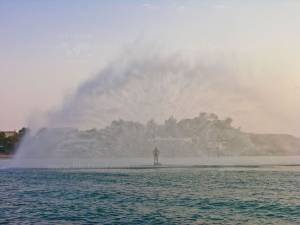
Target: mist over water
136, 88
140, 87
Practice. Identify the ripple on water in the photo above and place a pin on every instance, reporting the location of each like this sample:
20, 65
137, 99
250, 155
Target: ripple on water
164, 196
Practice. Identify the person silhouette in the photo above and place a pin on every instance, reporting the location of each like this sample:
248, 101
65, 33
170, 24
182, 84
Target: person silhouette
155, 155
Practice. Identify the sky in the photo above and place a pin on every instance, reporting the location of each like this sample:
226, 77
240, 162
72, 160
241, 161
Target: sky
50, 48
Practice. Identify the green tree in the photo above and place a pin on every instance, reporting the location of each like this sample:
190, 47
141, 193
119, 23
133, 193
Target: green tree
2, 142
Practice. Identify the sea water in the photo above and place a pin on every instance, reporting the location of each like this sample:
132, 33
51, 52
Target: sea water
225, 195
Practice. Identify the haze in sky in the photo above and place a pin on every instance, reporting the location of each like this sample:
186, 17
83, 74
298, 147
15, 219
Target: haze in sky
51, 49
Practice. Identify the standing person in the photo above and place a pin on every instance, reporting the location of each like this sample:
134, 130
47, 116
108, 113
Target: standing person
155, 155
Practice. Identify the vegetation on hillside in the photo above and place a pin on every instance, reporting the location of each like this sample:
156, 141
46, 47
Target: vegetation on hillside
8, 144
204, 135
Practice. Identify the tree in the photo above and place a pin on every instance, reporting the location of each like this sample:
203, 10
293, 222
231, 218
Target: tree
228, 121
23, 131
2, 136
2, 141
171, 126
151, 128
213, 116
8, 144
202, 115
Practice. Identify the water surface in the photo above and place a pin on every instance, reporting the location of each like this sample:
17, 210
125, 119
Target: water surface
267, 195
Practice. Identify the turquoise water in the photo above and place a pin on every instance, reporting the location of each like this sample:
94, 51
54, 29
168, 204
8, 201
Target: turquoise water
150, 196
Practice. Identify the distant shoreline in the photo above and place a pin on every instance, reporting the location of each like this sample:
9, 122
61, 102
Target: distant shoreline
147, 167
147, 163
6, 156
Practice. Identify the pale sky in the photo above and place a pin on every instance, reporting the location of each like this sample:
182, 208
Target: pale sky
48, 48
